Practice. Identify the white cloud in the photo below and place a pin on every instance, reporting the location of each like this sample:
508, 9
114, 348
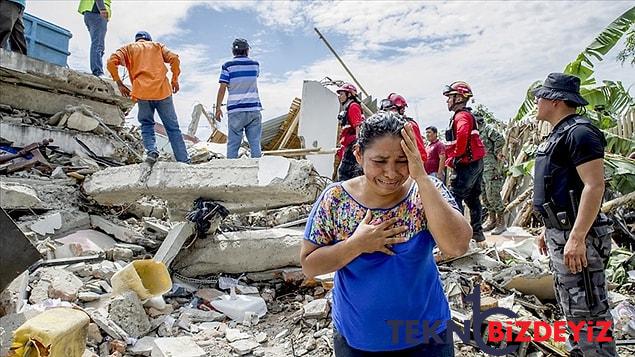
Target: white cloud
498, 47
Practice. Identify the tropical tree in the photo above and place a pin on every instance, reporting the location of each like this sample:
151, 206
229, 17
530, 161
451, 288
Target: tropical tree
608, 102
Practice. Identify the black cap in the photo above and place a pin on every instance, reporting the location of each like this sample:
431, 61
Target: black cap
560, 86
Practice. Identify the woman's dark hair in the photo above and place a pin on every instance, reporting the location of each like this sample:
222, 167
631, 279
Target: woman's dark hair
380, 124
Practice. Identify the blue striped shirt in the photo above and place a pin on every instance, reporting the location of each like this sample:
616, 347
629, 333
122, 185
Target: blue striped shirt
241, 75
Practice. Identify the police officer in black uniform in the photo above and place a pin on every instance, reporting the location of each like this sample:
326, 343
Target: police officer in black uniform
568, 190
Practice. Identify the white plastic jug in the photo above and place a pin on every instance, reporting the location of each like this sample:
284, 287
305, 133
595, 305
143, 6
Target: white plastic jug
235, 305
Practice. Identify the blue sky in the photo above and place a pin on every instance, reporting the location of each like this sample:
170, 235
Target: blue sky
409, 47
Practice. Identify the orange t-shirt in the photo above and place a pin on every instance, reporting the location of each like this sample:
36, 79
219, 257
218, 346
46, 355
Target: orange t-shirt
145, 61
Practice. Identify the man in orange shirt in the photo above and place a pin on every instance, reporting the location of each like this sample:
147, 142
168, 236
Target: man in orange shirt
145, 61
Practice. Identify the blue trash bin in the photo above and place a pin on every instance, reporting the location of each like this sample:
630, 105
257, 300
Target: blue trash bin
46, 41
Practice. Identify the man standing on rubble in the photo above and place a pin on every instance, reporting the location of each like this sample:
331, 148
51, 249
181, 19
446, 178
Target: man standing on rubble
145, 60
11, 25
465, 155
568, 190
96, 15
493, 176
435, 150
239, 77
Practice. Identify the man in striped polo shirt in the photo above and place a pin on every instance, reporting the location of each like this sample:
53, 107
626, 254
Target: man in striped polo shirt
239, 76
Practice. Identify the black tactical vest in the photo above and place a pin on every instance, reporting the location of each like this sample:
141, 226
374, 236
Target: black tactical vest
450, 135
342, 117
552, 181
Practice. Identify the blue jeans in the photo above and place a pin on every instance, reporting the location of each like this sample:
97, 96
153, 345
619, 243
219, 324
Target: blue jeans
251, 124
97, 27
165, 108
433, 349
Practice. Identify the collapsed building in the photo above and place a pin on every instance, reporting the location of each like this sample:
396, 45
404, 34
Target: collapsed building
203, 259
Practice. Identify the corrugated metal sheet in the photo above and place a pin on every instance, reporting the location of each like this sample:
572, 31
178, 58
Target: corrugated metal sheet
270, 129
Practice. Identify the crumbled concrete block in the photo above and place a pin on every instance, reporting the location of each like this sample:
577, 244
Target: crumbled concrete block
64, 286
87, 296
118, 253
79, 121
176, 346
143, 346
14, 196
234, 334
243, 347
261, 337
317, 309
239, 252
108, 326
120, 232
94, 334
196, 315
127, 312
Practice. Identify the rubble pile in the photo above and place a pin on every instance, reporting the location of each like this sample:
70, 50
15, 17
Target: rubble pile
128, 269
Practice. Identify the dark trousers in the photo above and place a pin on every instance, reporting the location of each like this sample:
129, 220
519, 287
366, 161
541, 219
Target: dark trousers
466, 186
432, 349
11, 26
349, 168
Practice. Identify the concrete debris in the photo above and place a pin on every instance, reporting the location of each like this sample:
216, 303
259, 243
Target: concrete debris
64, 286
238, 252
317, 309
240, 185
243, 347
41, 87
173, 243
128, 313
84, 242
48, 224
143, 346
177, 346
13, 196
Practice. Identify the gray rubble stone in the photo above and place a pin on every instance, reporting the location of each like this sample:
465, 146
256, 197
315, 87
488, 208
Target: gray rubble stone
316, 309
176, 347
143, 346
127, 312
64, 286
243, 347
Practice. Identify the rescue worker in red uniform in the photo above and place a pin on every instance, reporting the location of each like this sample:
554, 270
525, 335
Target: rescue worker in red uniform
349, 118
465, 155
398, 104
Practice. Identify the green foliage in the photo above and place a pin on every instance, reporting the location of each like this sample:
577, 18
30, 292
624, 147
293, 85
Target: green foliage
621, 171
629, 49
618, 145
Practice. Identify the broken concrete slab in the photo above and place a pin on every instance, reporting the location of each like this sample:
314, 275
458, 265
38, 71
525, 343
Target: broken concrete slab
240, 252
84, 242
22, 135
81, 122
120, 231
109, 327
47, 224
243, 347
196, 315
64, 285
173, 243
239, 185
143, 346
128, 313
14, 196
177, 346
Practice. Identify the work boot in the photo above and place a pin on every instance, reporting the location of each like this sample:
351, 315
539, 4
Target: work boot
479, 238
490, 223
500, 224
152, 157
